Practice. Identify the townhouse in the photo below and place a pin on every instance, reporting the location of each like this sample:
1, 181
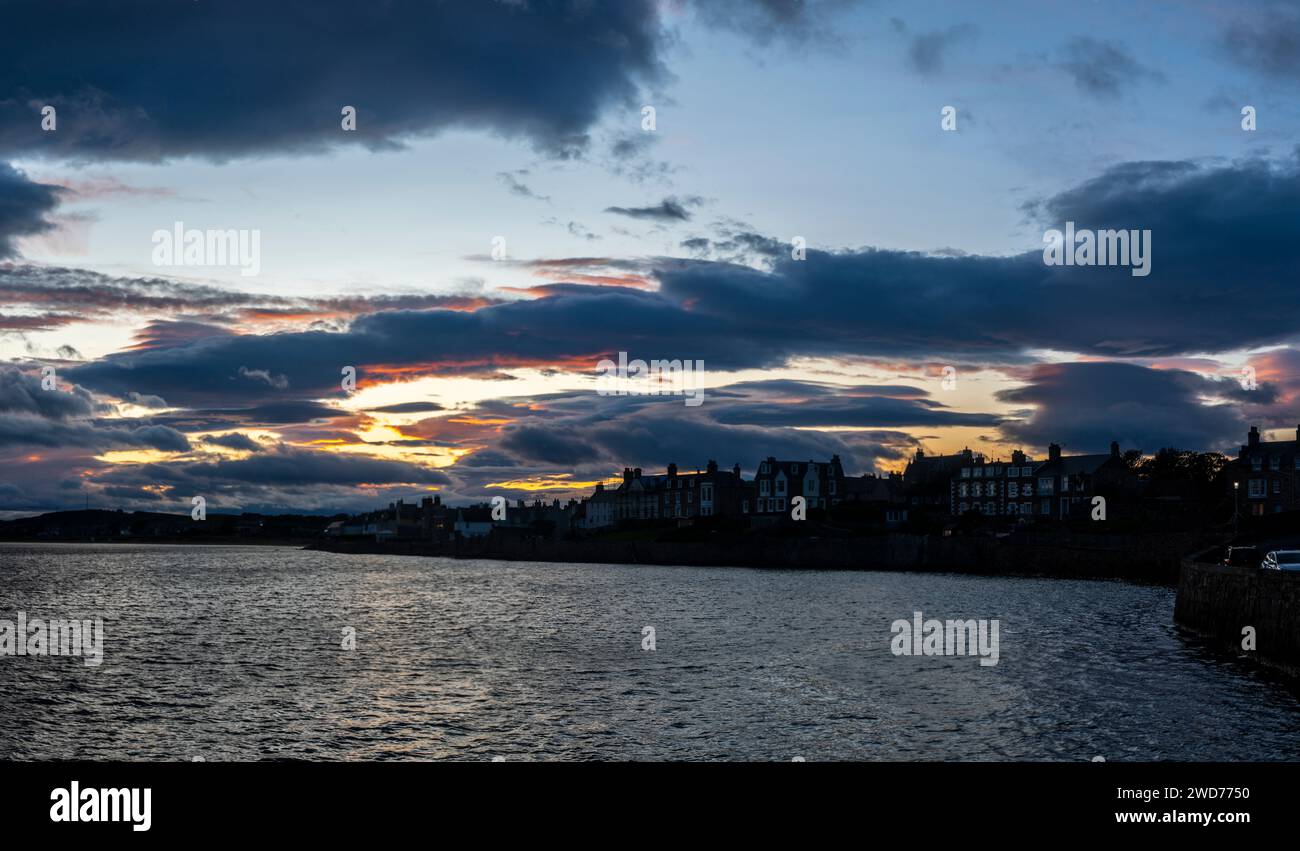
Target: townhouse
1266, 474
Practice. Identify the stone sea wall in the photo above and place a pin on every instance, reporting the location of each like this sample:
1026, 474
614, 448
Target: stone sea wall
1219, 602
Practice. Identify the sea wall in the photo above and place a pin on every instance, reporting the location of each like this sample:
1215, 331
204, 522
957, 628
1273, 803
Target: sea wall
1156, 561
1218, 602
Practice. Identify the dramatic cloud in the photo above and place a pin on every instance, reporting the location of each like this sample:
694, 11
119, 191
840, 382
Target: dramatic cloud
24, 205
1084, 406
82, 295
241, 442
918, 307
279, 75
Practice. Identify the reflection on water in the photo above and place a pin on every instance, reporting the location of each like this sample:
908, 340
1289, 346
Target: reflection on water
235, 653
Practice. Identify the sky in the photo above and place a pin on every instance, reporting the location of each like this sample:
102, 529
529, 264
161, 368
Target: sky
836, 207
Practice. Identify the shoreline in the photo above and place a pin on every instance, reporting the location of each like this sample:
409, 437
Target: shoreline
1157, 564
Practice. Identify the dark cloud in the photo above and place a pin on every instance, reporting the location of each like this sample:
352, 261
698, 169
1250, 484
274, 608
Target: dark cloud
859, 412
25, 430
275, 77
1213, 230
1084, 406
668, 210
194, 310
1265, 37
926, 51
24, 205
241, 442
1101, 68
408, 408
23, 393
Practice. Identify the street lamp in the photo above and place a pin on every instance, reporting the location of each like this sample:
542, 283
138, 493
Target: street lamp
1236, 512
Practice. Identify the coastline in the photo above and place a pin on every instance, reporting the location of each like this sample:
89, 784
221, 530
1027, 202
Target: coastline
1156, 563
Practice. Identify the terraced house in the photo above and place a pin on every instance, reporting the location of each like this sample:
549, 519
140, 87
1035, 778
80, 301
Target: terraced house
681, 495
777, 482
1265, 473
994, 487
1057, 487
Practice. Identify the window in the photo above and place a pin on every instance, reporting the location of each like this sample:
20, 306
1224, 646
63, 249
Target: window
744, 506
965, 472
1013, 472
979, 471
810, 487
762, 506
1026, 508
762, 468
990, 508
1027, 489
780, 505
1275, 462
977, 489
832, 487
1026, 471
706, 491
780, 487
764, 487
961, 489
794, 468
1046, 507
1044, 485
1255, 489
995, 470
963, 508
1013, 489
1011, 508
1277, 486
1255, 463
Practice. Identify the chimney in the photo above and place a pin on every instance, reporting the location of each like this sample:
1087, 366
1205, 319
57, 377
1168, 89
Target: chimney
627, 475
636, 472
1114, 449
1254, 437
1297, 434
1054, 452
600, 486
1017, 457
672, 470
736, 470
713, 466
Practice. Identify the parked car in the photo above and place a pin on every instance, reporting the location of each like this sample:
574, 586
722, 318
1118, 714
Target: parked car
1242, 557
1288, 560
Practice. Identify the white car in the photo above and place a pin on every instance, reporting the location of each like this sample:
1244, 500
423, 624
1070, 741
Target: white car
1281, 560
